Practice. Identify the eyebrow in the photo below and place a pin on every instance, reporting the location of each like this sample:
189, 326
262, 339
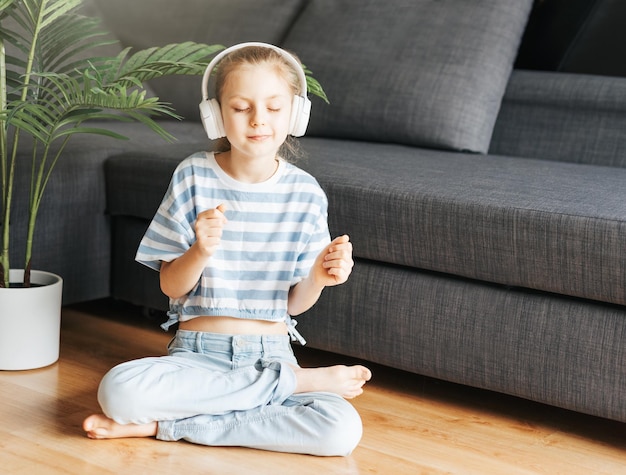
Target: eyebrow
276, 96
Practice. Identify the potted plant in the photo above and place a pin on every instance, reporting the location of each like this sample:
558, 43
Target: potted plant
51, 89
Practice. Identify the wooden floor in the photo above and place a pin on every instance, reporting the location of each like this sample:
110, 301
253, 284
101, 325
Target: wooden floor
413, 425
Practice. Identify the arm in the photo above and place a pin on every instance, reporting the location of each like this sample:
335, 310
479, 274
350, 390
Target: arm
332, 267
179, 276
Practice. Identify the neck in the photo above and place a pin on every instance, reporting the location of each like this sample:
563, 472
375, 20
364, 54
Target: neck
247, 169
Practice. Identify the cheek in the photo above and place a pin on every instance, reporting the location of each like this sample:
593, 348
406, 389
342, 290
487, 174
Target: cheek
231, 121
284, 120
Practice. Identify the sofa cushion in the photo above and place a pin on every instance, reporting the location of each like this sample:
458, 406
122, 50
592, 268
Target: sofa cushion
546, 348
559, 116
550, 226
427, 73
146, 23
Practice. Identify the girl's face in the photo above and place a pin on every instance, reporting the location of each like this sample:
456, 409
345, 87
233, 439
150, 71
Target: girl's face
256, 107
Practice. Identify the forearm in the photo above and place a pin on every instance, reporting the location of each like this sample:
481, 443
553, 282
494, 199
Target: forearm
178, 277
303, 296
332, 267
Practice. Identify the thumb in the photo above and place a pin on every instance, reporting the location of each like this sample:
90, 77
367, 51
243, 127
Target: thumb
222, 209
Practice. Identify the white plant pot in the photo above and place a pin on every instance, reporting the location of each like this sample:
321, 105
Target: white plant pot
30, 321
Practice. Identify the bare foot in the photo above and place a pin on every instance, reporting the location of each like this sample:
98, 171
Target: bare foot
99, 426
347, 381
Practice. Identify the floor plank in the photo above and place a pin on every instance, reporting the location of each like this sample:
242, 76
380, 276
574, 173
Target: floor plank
413, 424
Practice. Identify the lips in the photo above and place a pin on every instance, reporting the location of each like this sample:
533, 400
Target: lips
258, 138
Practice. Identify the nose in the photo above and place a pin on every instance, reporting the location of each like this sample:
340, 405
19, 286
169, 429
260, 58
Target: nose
258, 117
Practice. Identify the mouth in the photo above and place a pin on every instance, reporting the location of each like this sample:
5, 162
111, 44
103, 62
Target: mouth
258, 138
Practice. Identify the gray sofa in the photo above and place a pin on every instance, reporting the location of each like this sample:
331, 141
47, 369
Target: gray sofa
486, 199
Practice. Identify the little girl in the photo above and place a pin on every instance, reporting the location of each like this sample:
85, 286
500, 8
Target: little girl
241, 242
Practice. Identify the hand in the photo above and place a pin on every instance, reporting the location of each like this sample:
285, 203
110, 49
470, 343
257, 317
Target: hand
334, 264
208, 227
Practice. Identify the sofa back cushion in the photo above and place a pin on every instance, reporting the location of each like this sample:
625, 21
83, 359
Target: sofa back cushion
418, 72
567, 117
146, 23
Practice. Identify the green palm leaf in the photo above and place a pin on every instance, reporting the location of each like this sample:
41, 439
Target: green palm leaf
68, 39
4, 5
68, 102
183, 58
43, 13
313, 85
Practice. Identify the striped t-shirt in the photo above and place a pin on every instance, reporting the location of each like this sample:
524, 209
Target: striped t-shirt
275, 230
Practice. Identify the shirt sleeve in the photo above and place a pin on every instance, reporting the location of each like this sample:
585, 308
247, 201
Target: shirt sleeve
318, 240
171, 232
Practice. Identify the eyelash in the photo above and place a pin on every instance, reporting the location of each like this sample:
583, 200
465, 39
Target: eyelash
247, 109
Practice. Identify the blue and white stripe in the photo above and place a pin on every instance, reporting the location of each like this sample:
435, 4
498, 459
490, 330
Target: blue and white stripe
275, 230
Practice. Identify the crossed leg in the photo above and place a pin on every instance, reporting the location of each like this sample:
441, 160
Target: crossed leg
346, 381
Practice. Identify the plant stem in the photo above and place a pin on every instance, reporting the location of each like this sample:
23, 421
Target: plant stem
4, 258
37, 190
32, 212
3, 106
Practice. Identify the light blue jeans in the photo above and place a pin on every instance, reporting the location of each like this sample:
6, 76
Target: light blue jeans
225, 390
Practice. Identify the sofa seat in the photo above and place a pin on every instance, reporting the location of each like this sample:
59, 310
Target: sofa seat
537, 224
519, 222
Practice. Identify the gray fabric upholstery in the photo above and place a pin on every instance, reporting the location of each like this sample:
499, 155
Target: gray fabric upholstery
412, 72
551, 226
560, 351
147, 23
493, 218
72, 236
139, 195
133, 282
565, 117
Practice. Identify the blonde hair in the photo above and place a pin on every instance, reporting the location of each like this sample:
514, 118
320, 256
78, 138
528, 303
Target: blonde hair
257, 55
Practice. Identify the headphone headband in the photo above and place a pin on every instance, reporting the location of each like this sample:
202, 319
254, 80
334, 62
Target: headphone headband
287, 56
210, 111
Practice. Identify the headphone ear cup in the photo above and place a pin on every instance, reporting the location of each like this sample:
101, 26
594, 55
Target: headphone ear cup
300, 112
211, 116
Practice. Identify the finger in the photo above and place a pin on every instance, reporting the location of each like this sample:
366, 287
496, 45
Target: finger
214, 213
204, 225
341, 239
340, 256
344, 249
339, 264
209, 233
340, 253
338, 267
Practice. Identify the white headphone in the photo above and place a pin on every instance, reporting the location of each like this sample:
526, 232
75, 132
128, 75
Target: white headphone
210, 111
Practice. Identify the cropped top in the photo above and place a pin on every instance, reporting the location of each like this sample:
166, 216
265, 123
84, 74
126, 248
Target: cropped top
275, 231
